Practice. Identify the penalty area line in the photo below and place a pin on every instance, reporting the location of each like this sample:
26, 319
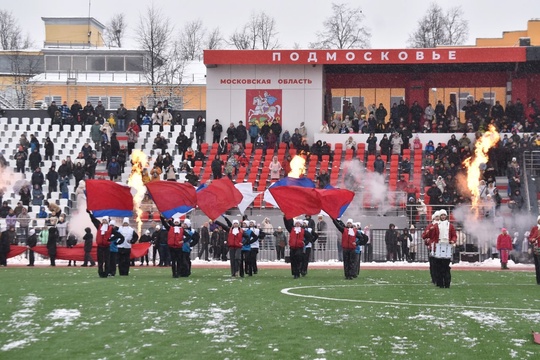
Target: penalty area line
289, 292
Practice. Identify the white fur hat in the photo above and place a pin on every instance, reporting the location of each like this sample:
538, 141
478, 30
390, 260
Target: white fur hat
158, 227
187, 222
147, 232
437, 213
245, 223
538, 218
358, 225
112, 222
125, 221
31, 232
305, 222
350, 221
236, 222
433, 216
442, 212
296, 221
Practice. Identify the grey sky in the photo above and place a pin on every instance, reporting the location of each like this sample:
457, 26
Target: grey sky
390, 22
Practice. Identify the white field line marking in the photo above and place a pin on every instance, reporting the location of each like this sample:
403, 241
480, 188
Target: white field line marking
288, 291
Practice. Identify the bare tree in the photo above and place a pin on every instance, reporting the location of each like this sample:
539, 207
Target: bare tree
457, 28
266, 26
438, 27
343, 30
115, 30
154, 36
243, 39
214, 40
11, 35
24, 66
258, 33
191, 40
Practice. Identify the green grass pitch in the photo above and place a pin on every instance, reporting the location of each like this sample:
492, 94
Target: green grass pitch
70, 313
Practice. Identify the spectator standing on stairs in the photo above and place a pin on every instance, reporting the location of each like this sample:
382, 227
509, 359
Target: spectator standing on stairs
121, 115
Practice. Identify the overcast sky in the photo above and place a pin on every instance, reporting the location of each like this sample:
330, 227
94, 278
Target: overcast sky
390, 21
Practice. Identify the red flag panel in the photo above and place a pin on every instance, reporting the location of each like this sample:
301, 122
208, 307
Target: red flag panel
333, 200
218, 197
296, 200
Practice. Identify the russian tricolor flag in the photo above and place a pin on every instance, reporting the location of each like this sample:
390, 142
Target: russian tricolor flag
107, 198
172, 197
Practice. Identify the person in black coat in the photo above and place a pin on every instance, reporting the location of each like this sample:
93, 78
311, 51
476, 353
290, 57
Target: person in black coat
5, 247
391, 240
52, 241
88, 242
216, 167
217, 129
30, 243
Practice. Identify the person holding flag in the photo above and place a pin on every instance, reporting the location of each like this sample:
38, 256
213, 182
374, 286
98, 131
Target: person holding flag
308, 245
191, 238
124, 246
105, 233
349, 236
175, 241
297, 238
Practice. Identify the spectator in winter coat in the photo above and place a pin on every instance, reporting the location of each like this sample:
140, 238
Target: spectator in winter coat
379, 165
121, 115
113, 170
37, 195
504, 246
49, 149
217, 129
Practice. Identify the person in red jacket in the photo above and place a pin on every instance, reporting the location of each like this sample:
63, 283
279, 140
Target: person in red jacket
105, 232
504, 245
348, 243
235, 240
297, 237
534, 239
175, 241
426, 235
442, 233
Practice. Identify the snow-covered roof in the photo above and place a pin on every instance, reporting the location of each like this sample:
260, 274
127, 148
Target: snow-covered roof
194, 74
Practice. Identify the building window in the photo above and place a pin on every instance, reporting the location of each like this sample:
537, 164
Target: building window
489, 97
79, 63
109, 102
463, 98
395, 100
96, 63
64, 63
134, 63
115, 63
56, 98
51, 63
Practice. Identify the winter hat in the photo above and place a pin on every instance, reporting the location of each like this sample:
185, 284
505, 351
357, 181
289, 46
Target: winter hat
296, 221
245, 223
358, 225
147, 232
350, 221
538, 218
412, 227
503, 229
305, 223
236, 222
112, 222
442, 212
31, 232
187, 222
158, 227
125, 221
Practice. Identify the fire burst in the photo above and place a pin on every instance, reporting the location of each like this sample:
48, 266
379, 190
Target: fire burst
139, 162
298, 167
488, 140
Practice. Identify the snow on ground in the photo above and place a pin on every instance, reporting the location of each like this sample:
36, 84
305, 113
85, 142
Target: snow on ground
21, 325
484, 318
489, 263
